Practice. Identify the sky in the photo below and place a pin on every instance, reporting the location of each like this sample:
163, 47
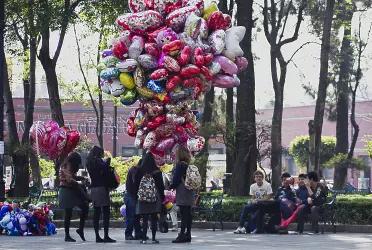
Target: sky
303, 70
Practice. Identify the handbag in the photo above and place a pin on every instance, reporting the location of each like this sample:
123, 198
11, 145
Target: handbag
112, 180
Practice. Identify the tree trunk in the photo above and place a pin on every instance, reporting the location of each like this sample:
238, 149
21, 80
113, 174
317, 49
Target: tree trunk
342, 125
29, 108
3, 78
276, 139
230, 130
19, 154
323, 81
35, 169
53, 91
206, 123
246, 160
21, 173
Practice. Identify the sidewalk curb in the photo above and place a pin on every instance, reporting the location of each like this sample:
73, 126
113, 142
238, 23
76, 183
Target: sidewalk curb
232, 225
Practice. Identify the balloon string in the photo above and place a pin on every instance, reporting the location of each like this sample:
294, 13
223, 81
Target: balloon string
37, 139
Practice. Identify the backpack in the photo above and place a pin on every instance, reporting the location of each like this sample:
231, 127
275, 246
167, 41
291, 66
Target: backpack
193, 178
147, 189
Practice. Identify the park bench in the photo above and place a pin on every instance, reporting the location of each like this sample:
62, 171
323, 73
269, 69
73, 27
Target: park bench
209, 205
328, 212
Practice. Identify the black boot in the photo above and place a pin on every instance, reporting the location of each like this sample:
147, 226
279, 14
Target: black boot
188, 237
69, 239
80, 232
181, 238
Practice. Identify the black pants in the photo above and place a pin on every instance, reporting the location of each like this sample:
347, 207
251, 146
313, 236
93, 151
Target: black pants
145, 225
314, 218
186, 219
106, 220
83, 216
273, 209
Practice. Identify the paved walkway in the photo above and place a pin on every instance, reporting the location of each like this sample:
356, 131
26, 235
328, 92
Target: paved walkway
202, 240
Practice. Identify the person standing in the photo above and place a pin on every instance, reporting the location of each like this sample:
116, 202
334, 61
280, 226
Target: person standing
184, 196
130, 200
70, 194
98, 170
149, 188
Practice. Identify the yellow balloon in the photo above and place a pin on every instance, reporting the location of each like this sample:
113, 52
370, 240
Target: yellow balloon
168, 205
207, 12
127, 80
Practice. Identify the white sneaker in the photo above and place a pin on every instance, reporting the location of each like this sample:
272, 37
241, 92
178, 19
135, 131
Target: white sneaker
174, 229
240, 230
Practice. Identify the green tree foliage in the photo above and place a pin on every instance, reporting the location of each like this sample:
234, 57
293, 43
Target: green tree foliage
299, 149
369, 147
46, 168
341, 161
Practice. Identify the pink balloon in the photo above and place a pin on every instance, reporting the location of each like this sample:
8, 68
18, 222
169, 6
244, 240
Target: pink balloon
57, 140
225, 81
165, 144
241, 62
227, 65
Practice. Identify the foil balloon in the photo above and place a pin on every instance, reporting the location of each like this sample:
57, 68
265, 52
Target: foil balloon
195, 145
105, 86
234, 36
109, 73
139, 77
127, 80
227, 66
116, 88
155, 86
241, 62
150, 140
128, 65
148, 61
141, 22
165, 144
129, 97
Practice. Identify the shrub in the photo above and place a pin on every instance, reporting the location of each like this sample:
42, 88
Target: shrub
299, 149
46, 168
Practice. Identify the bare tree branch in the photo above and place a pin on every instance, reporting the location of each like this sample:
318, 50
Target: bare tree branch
68, 10
298, 25
298, 49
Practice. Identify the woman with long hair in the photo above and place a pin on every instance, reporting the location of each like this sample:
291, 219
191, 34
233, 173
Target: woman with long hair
184, 196
146, 209
71, 194
98, 170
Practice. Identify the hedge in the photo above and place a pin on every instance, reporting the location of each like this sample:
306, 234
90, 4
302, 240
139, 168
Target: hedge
350, 209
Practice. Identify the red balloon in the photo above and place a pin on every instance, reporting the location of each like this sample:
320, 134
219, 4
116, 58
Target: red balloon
192, 82
73, 138
189, 71
159, 74
152, 49
131, 128
184, 56
218, 20
156, 122
173, 82
173, 47
206, 73
120, 50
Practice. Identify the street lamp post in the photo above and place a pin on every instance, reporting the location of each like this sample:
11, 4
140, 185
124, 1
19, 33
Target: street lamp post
2, 79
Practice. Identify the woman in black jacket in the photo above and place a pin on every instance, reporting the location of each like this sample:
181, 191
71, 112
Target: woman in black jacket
98, 170
71, 194
184, 196
149, 209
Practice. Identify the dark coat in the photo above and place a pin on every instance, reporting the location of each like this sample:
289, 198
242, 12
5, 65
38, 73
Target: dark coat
184, 196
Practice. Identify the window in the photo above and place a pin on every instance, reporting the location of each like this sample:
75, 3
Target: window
128, 151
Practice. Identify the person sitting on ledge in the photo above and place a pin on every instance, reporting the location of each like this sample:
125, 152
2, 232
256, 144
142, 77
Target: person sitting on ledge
260, 190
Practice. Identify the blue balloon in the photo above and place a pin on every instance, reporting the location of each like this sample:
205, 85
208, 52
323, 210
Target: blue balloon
109, 73
155, 86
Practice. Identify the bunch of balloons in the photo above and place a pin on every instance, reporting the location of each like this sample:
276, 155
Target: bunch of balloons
36, 221
168, 54
47, 138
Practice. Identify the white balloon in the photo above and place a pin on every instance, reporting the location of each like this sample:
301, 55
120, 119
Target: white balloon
116, 88
234, 36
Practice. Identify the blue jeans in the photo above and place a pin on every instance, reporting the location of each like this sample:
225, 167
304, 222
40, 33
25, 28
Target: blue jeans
251, 210
131, 219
